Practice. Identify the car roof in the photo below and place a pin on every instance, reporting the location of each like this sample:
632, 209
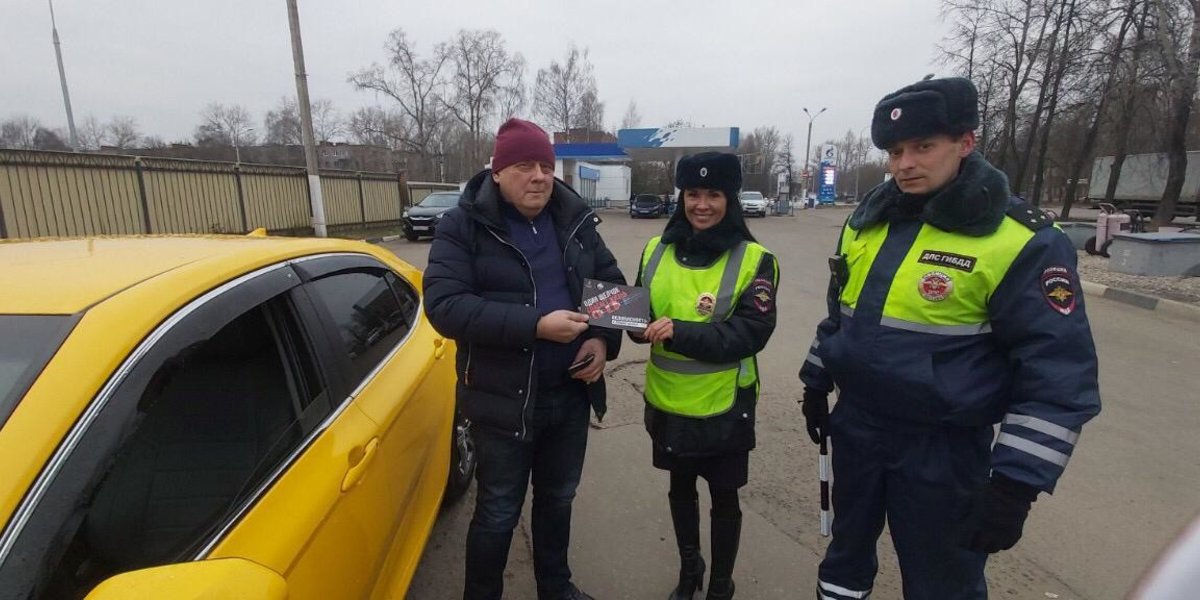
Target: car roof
66, 276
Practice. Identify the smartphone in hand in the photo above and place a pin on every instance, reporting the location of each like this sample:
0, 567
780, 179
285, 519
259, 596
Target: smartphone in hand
581, 364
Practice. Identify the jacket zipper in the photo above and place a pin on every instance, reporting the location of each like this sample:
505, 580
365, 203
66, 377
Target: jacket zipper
533, 355
467, 371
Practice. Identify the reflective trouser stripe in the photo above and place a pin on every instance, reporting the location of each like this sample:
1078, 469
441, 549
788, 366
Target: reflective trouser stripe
816, 360
690, 367
1047, 454
847, 310
1044, 426
841, 591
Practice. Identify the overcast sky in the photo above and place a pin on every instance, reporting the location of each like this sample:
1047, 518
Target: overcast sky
718, 64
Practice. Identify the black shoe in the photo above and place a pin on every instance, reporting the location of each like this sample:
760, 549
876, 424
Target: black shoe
720, 589
576, 594
691, 574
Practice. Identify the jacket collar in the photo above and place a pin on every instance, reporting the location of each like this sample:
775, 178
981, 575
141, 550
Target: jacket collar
973, 204
481, 200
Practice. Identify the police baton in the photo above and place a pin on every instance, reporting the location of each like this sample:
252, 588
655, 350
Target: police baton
823, 468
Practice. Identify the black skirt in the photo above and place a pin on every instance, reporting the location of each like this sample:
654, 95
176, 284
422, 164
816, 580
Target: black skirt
724, 471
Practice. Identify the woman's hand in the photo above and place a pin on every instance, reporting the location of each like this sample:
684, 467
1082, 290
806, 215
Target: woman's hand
661, 330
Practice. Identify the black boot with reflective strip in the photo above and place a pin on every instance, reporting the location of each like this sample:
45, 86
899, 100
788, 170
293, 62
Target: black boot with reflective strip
685, 514
726, 536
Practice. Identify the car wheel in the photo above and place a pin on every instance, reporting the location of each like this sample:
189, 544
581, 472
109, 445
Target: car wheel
463, 459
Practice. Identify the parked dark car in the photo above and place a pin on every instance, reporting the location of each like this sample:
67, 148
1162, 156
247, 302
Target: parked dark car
422, 219
646, 205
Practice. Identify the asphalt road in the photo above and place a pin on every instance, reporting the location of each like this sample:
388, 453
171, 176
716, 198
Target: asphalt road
1131, 486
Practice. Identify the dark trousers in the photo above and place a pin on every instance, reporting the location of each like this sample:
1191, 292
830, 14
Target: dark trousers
552, 456
922, 481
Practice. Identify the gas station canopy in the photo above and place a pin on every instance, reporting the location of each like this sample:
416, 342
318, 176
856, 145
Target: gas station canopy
673, 143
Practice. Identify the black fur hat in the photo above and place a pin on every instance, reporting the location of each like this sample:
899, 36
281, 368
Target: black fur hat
931, 107
710, 170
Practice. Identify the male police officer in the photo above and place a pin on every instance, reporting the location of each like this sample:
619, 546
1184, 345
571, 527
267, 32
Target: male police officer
952, 307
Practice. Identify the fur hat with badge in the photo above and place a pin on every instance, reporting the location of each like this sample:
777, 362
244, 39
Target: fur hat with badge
947, 106
713, 171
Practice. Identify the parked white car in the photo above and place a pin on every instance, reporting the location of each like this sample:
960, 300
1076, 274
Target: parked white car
753, 204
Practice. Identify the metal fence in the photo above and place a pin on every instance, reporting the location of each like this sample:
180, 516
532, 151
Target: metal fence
54, 194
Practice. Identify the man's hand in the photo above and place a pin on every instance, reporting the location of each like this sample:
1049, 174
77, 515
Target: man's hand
596, 347
661, 330
815, 407
999, 515
561, 326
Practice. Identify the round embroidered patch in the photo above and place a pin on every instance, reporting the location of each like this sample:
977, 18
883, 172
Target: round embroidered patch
896, 112
935, 286
705, 304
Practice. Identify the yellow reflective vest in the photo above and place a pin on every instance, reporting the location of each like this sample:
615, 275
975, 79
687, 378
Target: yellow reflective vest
678, 384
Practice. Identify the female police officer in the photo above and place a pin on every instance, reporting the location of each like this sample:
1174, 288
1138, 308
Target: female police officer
712, 289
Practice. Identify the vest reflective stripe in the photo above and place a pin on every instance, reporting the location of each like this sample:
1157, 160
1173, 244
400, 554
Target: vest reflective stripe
676, 383
943, 285
689, 367
936, 329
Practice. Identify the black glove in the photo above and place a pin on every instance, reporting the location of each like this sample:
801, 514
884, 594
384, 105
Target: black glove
999, 514
816, 413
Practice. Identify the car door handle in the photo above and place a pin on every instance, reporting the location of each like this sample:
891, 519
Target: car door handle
439, 348
356, 471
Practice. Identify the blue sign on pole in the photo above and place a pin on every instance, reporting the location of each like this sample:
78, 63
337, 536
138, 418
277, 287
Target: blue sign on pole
826, 189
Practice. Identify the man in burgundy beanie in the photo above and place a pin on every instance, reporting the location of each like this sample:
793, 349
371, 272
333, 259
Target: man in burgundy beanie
505, 280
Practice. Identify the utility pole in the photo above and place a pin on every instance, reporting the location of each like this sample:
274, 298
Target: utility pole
306, 128
62, 78
807, 149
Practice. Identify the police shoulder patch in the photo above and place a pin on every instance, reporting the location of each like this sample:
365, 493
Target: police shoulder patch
1058, 288
763, 292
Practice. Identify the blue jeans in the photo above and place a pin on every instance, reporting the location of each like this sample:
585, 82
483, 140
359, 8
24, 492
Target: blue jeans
552, 455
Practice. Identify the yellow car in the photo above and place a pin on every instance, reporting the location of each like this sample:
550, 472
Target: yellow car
219, 417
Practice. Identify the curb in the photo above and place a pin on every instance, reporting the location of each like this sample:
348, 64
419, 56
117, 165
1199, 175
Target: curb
1179, 310
386, 238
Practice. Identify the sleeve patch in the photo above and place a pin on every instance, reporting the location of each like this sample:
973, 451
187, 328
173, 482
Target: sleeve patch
1058, 288
763, 292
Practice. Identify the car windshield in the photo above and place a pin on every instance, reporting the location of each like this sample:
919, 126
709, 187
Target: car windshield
447, 200
29, 342
751, 196
646, 200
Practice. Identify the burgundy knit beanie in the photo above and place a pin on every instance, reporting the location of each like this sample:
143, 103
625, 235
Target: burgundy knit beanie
519, 141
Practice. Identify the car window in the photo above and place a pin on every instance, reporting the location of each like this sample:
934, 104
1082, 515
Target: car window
373, 311
194, 433
29, 342
440, 201
751, 196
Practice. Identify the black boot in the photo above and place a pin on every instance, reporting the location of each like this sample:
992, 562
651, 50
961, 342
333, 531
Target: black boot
726, 536
685, 514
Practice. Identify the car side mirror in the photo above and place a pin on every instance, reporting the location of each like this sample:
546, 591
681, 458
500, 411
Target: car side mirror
219, 578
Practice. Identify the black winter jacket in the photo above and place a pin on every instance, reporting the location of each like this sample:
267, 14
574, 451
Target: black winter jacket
479, 291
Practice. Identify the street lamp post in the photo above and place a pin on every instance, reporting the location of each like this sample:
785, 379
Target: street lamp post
62, 79
807, 149
237, 132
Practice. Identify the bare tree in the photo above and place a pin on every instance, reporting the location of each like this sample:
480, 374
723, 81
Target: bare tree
560, 89
1177, 20
482, 67
374, 126
19, 132
92, 133
412, 82
123, 132
632, 118
513, 95
591, 112
327, 121
282, 124
223, 125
